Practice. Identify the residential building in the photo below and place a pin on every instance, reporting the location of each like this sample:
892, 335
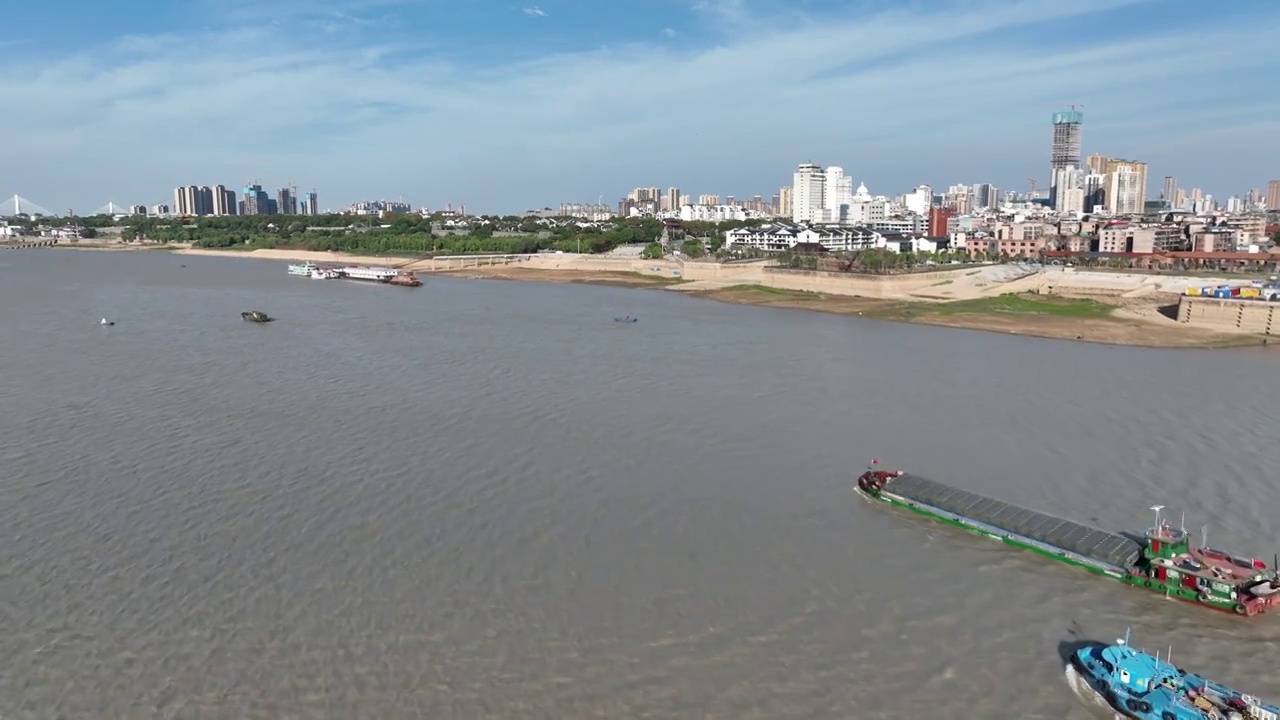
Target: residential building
254, 201
287, 201
919, 201
808, 194
224, 201
837, 193
785, 236
939, 221
711, 213
310, 204
1273, 195
1139, 239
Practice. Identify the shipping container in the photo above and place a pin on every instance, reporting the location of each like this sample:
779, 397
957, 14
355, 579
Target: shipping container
1250, 292
1235, 292
1193, 291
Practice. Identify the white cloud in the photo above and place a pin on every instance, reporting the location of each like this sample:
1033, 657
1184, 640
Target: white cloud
668, 32
897, 98
534, 11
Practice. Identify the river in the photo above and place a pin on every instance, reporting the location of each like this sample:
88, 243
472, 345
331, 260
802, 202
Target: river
487, 499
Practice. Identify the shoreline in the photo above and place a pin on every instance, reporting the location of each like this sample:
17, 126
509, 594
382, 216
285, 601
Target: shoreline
1043, 304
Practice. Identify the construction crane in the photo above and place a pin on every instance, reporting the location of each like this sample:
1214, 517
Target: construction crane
1033, 187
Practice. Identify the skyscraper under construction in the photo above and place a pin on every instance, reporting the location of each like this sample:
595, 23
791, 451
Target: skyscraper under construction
1066, 139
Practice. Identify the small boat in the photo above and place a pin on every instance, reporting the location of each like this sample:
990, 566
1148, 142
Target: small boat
107, 322
304, 269
1141, 686
256, 316
627, 319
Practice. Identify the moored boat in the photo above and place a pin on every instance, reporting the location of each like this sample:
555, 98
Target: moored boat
371, 274
1146, 687
1165, 561
303, 269
325, 273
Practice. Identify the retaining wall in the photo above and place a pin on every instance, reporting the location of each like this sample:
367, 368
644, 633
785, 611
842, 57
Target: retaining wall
1253, 316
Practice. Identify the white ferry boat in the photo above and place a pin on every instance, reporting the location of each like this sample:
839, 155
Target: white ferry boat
305, 269
373, 274
325, 273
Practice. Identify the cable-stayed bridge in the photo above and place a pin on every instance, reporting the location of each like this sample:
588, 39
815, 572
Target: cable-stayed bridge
112, 209
18, 205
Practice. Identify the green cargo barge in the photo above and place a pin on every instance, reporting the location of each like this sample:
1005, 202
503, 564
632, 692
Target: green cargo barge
1165, 562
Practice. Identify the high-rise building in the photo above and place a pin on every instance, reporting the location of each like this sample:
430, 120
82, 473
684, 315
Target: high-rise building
837, 194
1273, 195
673, 198
1126, 187
224, 201
193, 200
1065, 181
786, 196
309, 204
1169, 192
807, 194
255, 201
1066, 139
287, 201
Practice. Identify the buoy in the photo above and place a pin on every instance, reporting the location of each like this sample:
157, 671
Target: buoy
106, 322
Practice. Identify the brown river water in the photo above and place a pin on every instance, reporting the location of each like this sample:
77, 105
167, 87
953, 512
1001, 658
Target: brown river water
485, 499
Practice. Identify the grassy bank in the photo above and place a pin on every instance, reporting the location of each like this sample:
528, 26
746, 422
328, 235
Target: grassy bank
1054, 306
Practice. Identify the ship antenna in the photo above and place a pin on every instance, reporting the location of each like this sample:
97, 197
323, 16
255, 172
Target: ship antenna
1183, 525
1157, 508
1204, 536
1125, 640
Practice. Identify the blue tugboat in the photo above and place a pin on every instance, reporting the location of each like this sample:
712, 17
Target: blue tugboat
1140, 686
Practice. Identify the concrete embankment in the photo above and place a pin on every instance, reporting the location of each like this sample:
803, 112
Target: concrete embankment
1250, 316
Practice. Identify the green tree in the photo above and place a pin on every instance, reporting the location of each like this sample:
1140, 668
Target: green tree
652, 251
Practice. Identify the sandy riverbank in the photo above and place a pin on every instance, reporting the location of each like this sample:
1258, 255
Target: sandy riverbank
1103, 307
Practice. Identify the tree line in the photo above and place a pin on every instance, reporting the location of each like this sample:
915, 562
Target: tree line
398, 234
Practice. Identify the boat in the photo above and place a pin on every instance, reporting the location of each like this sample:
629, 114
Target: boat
325, 273
256, 316
1145, 687
406, 279
304, 269
1163, 561
627, 319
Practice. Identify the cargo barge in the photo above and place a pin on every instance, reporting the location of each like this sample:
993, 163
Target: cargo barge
1164, 562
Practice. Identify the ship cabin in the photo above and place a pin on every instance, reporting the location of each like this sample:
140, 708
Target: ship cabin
1172, 560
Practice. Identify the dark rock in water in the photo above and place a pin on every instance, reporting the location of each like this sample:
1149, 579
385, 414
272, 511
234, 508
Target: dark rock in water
255, 316
627, 319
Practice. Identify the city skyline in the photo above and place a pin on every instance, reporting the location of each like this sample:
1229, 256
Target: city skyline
431, 100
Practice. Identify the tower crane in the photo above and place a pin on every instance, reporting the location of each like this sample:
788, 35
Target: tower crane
1033, 186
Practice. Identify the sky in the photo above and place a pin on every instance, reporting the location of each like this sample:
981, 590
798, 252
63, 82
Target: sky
504, 106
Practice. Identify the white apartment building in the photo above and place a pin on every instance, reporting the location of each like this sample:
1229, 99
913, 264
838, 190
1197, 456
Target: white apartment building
711, 213
808, 194
782, 236
919, 200
837, 192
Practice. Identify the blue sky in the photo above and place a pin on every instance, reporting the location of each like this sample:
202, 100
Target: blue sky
506, 106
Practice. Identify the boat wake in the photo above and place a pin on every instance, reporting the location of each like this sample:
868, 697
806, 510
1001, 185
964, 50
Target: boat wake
1089, 696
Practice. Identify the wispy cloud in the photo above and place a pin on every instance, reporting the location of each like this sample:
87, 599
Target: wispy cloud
534, 11
960, 92
668, 32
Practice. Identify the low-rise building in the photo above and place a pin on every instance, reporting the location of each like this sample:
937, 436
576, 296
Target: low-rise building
781, 237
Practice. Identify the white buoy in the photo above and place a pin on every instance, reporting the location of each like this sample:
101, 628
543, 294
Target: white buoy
104, 321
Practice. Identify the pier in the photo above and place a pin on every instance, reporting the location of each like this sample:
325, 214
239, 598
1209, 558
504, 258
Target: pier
461, 262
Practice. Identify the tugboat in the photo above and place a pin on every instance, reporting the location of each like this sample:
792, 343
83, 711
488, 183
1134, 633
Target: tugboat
1164, 561
1140, 686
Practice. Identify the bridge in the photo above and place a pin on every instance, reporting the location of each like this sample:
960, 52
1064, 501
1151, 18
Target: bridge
112, 209
18, 205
